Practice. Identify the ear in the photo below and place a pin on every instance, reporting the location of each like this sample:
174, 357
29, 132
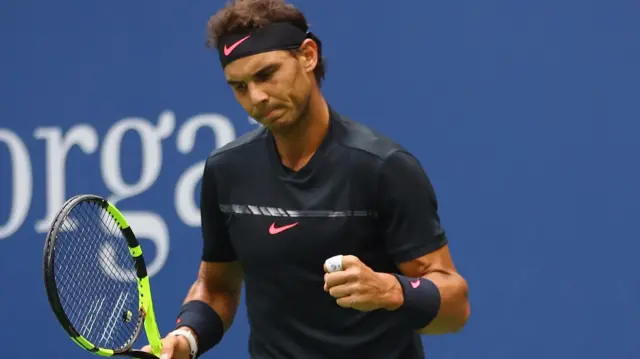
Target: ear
309, 55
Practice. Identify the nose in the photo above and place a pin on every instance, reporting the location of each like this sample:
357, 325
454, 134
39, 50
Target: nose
257, 95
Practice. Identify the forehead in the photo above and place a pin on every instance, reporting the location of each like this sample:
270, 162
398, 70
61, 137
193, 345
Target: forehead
248, 66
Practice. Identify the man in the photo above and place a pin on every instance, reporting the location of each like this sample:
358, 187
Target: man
310, 185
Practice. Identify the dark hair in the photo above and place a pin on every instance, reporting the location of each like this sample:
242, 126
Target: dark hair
244, 15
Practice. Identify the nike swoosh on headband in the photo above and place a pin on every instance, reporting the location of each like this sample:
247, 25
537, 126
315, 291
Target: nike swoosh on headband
228, 50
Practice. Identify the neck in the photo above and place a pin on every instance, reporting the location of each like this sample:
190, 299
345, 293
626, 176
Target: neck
297, 144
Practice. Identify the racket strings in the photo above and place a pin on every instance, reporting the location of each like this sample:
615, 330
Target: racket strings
95, 277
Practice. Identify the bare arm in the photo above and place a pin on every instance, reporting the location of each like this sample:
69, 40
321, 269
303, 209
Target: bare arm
219, 284
438, 267
411, 223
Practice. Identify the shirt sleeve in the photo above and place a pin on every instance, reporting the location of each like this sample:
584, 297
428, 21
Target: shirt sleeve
217, 246
408, 208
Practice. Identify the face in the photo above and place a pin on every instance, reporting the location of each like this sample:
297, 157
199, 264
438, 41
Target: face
274, 87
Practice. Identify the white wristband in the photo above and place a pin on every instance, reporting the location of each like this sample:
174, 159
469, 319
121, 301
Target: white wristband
193, 345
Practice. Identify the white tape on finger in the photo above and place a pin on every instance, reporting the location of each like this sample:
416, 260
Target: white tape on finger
334, 263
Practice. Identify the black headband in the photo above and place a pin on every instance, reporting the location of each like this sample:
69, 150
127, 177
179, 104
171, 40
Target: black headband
274, 36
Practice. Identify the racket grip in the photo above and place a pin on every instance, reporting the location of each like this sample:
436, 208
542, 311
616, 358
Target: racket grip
137, 354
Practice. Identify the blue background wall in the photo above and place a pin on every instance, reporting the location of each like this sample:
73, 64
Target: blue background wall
526, 115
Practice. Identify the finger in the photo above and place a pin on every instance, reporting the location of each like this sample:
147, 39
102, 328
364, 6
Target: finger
341, 291
333, 264
346, 302
346, 276
337, 278
349, 261
168, 346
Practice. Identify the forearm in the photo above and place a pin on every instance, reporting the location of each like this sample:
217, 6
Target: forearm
454, 303
223, 300
211, 303
453, 310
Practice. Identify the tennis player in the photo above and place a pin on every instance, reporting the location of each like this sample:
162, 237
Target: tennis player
307, 186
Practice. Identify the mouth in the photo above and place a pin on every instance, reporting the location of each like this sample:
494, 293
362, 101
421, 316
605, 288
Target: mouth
272, 114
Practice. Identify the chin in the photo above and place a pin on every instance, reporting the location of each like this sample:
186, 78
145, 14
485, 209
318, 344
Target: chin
282, 122
279, 123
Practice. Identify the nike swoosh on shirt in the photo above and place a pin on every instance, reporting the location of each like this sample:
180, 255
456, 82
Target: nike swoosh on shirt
275, 230
228, 50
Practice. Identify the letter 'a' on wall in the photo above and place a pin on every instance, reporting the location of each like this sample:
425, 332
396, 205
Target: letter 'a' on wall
224, 132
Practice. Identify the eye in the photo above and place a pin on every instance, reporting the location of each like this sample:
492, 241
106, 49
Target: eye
240, 87
264, 76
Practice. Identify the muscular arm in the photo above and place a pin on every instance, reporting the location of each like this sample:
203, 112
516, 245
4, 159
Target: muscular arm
416, 241
220, 277
438, 267
219, 284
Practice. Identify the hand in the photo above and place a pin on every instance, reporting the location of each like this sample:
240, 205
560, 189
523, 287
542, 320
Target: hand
173, 347
357, 286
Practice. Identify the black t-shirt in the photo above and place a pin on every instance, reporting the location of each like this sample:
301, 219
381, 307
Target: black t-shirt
360, 194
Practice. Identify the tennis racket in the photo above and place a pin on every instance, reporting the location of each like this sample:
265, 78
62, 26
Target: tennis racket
96, 279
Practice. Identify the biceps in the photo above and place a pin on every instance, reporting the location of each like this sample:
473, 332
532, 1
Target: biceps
437, 261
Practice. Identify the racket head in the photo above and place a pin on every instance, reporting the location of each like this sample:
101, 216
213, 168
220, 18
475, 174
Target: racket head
95, 278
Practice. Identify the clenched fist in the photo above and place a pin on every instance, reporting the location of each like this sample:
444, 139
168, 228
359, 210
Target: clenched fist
357, 286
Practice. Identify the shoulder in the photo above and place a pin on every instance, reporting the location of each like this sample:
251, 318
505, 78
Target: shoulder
369, 141
380, 153
235, 151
